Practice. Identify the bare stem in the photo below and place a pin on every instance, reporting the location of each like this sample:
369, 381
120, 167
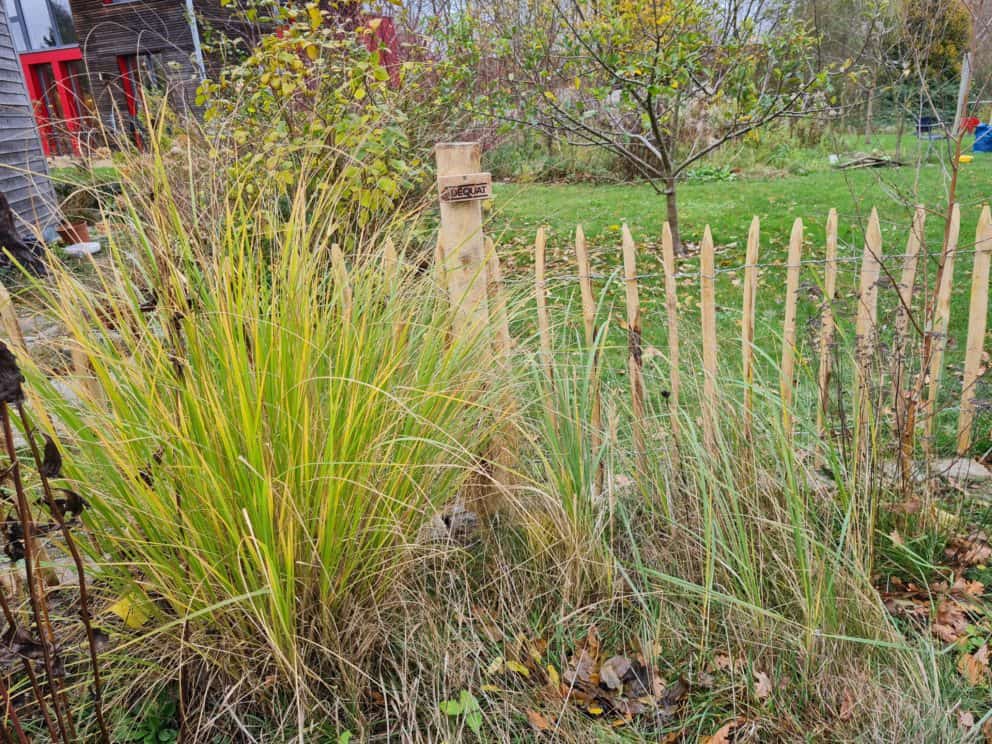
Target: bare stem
32, 677
12, 715
38, 608
84, 604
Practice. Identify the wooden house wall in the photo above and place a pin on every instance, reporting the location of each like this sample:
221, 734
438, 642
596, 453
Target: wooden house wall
108, 31
23, 168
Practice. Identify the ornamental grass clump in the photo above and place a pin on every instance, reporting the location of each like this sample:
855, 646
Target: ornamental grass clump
263, 433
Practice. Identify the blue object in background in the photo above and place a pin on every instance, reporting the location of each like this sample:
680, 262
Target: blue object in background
983, 138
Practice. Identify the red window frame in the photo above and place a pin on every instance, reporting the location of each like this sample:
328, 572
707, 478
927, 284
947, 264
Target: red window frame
58, 59
127, 64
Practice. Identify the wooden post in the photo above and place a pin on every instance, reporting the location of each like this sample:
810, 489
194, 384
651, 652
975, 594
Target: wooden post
672, 311
541, 298
747, 319
865, 327
585, 285
788, 368
497, 300
942, 315
589, 321
543, 322
907, 281
707, 279
827, 326
635, 361
460, 241
977, 319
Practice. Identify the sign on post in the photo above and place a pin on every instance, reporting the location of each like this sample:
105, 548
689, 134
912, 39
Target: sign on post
465, 187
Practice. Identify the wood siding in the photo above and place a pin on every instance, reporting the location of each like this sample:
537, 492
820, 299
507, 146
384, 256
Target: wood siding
23, 169
109, 31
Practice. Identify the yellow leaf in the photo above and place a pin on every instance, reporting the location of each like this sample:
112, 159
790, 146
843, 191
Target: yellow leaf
312, 51
595, 709
516, 666
490, 688
316, 17
496, 666
134, 614
553, 676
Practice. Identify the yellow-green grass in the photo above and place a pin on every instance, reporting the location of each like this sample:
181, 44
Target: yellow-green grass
261, 442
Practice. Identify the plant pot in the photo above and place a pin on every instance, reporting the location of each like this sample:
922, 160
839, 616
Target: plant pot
71, 233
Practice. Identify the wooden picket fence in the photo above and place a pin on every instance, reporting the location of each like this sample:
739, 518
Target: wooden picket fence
473, 281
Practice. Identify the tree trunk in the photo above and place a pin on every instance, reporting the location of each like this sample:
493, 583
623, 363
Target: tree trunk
900, 131
673, 215
869, 111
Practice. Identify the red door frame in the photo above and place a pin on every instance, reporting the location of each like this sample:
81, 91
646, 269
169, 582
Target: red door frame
58, 59
130, 82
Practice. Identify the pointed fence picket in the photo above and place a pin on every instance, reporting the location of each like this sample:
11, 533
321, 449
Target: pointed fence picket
977, 317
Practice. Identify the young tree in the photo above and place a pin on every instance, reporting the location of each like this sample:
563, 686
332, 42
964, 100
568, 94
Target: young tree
659, 83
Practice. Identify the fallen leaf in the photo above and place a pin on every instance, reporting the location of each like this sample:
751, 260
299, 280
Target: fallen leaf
951, 622
846, 706
722, 735
762, 685
973, 550
724, 661
968, 588
912, 506
495, 666
672, 696
612, 671
516, 666
133, 610
538, 721
972, 668
966, 720
595, 709
584, 666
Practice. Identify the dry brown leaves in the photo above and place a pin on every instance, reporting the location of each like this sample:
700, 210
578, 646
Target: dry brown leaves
970, 550
762, 685
616, 688
975, 667
949, 610
732, 731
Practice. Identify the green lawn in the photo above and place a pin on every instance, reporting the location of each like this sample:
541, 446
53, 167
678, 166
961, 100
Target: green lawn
727, 206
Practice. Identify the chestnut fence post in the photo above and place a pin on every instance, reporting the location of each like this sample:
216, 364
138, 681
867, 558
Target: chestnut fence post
461, 244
